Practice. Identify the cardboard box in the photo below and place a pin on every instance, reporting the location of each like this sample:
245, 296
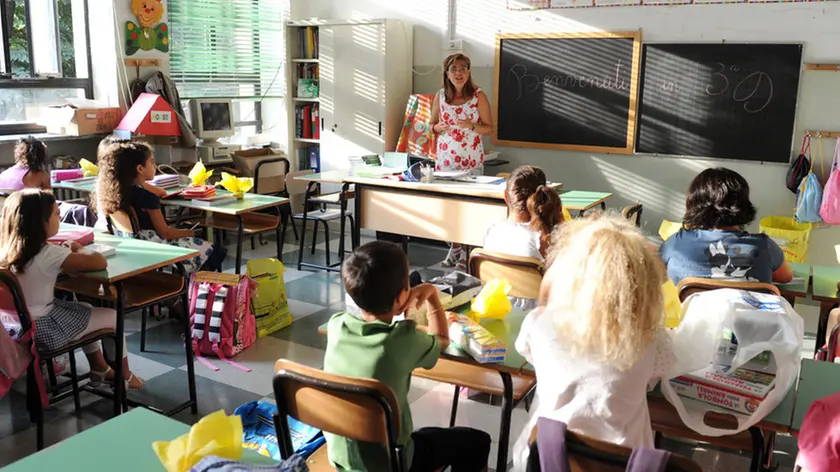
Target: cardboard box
80, 117
272, 178
741, 391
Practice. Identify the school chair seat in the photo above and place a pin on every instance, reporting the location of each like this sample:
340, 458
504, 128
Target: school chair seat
524, 274
588, 454
633, 213
691, 285
320, 460
13, 293
356, 408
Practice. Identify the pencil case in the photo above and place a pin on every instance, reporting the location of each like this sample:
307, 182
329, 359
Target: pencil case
66, 174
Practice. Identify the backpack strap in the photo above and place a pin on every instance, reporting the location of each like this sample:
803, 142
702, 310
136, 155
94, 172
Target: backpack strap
646, 459
216, 314
199, 319
551, 442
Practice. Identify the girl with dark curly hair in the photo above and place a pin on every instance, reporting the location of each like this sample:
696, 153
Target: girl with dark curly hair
124, 168
30, 169
713, 243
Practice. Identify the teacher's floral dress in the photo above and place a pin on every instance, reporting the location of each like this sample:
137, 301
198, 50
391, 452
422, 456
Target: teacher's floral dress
459, 149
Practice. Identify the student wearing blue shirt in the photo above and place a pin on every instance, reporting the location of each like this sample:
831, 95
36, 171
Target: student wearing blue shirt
713, 243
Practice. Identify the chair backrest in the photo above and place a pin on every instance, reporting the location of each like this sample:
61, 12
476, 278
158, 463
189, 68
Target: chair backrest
633, 213
523, 273
587, 454
504, 175
356, 408
691, 285
121, 221
296, 189
270, 176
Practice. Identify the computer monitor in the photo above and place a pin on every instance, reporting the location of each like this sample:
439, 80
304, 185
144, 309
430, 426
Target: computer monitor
212, 118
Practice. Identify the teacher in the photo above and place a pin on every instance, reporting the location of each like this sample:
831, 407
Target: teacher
460, 117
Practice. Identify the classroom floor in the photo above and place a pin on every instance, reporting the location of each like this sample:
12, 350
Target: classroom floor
313, 297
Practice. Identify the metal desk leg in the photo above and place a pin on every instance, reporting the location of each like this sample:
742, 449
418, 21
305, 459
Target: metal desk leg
240, 229
302, 239
504, 429
757, 460
357, 228
603, 206
188, 345
119, 382
280, 232
822, 325
342, 225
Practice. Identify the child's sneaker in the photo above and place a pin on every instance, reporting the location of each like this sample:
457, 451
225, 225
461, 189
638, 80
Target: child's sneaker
453, 257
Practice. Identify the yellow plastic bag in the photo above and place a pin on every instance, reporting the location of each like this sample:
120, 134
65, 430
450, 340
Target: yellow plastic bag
199, 174
492, 301
668, 229
216, 434
89, 169
238, 186
673, 307
792, 236
268, 301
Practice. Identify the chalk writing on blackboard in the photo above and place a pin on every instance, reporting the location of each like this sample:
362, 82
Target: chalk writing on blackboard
755, 91
530, 83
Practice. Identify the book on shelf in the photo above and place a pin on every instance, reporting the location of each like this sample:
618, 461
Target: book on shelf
308, 40
307, 71
315, 158
307, 121
316, 128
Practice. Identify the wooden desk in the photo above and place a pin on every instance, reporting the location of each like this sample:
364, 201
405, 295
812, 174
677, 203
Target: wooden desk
238, 209
123, 443
134, 257
583, 200
444, 211
824, 290
799, 289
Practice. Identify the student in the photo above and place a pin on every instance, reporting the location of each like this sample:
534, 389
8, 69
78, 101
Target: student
373, 345
713, 243
534, 209
818, 441
30, 217
30, 169
123, 168
600, 338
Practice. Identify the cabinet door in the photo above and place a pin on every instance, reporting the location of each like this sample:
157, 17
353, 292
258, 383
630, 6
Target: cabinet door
352, 92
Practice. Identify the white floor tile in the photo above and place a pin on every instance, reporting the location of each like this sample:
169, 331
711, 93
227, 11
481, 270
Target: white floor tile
301, 309
292, 274
260, 358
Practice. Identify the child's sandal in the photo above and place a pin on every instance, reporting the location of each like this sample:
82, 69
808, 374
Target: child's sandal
97, 379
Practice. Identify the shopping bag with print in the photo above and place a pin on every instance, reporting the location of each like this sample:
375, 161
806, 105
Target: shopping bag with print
268, 300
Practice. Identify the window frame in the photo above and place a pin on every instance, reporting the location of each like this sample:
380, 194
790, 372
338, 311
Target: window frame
8, 82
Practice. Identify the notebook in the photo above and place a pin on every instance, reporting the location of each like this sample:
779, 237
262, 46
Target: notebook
103, 249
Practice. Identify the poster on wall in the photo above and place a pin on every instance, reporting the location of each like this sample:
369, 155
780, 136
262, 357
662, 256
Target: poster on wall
528, 4
665, 2
148, 34
617, 3
719, 1
572, 3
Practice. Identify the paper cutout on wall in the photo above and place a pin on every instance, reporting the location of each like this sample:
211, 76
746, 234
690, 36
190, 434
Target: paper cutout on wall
528, 4
146, 35
617, 3
520, 5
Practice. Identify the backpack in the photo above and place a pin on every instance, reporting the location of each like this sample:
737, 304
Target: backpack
220, 316
799, 167
830, 207
809, 201
552, 455
259, 433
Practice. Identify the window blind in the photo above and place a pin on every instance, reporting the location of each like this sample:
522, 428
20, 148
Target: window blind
227, 48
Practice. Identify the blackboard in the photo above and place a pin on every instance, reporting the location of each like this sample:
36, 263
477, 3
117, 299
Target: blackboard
573, 92
735, 101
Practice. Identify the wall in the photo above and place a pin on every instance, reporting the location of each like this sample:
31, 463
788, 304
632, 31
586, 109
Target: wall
658, 182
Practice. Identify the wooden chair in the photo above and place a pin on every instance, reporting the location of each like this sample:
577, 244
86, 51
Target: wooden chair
270, 179
633, 213
504, 175
664, 417
588, 454
356, 408
297, 192
9, 284
523, 273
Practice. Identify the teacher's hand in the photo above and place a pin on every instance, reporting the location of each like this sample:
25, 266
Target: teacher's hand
466, 124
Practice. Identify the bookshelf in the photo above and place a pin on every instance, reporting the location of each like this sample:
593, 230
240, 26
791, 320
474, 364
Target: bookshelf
351, 112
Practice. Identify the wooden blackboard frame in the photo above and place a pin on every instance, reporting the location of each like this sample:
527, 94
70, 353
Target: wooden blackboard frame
635, 73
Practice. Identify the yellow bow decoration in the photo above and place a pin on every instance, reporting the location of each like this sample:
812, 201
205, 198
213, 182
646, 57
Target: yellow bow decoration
199, 174
89, 169
216, 434
238, 186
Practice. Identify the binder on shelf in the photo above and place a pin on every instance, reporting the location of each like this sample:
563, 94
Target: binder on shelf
316, 128
306, 122
315, 158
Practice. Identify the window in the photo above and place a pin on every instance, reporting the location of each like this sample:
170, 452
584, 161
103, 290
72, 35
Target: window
229, 49
46, 58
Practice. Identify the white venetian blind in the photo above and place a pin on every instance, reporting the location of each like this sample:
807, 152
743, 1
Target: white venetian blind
226, 48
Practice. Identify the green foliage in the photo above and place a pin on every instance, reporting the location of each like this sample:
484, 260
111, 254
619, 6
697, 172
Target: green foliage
19, 44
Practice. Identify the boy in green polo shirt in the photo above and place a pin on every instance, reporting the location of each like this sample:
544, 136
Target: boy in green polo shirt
373, 345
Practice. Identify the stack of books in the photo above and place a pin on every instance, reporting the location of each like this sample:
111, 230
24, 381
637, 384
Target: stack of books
166, 181
308, 42
307, 121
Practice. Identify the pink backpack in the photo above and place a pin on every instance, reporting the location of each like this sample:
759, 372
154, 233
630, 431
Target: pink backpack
221, 318
830, 207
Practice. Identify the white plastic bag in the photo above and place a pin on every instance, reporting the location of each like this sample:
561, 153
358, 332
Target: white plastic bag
760, 322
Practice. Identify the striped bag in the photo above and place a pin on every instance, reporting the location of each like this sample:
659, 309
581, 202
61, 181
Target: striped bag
221, 318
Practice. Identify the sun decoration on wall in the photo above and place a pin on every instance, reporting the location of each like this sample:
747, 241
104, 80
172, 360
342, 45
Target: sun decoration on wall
146, 35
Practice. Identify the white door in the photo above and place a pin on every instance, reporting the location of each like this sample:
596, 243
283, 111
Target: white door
352, 92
